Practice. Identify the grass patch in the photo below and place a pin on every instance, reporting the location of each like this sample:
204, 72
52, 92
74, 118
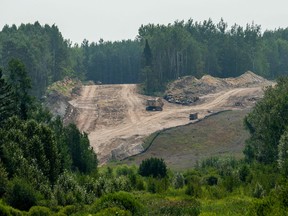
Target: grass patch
182, 147
235, 205
157, 204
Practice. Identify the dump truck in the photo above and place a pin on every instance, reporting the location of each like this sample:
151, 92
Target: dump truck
155, 104
193, 116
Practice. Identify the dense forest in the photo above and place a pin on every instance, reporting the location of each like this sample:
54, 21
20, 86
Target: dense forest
178, 49
47, 168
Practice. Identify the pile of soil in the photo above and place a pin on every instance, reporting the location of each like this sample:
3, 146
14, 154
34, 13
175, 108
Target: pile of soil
58, 96
188, 90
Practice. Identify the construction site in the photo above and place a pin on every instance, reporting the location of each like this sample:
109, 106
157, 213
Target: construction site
117, 120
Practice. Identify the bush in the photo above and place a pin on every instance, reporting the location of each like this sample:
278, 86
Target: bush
280, 195
212, 180
244, 172
122, 183
9, 211
68, 191
3, 179
113, 211
261, 208
4, 211
139, 184
231, 182
154, 167
69, 210
39, 211
216, 192
21, 195
187, 207
124, 170
258, 191
178, 181
122, 200
193, 189
157, 185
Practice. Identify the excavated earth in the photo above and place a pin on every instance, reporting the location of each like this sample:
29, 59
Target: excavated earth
116, 121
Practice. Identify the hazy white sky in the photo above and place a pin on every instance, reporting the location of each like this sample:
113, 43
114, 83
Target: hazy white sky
120, 19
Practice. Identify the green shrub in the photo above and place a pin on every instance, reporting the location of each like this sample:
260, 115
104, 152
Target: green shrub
21, 195
68, 191
190, 189
113, 211
122, 200
69, 210
139, 184
230, 182
178, 181
9, 211
216, 192
244, 172
122, 183
151, 185
212, 180
258, 191
124, 170
154, 167
39, 211
193, 189
189, 207
3, 179
281, 195
157, 185
261, 208
4, 211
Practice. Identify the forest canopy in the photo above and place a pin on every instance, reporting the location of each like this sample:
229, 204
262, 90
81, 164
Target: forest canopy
177, 49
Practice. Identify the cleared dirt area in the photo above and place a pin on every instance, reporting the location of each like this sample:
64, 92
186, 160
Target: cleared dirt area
115, 118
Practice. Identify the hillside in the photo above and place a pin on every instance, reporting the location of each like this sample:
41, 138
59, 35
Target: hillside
117, 123
181, 147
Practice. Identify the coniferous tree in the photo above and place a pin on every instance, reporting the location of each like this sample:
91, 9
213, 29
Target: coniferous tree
7, 99
154, 167
22, 85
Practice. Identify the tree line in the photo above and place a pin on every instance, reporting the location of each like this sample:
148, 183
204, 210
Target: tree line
35, 148
177, 49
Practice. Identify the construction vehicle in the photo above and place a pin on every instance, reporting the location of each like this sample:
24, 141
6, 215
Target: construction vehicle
155, 104
193, 116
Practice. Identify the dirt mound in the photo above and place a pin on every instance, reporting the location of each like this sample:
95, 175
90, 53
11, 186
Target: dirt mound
188, 89
248, 79
58, 96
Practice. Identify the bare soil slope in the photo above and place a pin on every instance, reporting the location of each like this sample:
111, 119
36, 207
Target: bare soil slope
115, 118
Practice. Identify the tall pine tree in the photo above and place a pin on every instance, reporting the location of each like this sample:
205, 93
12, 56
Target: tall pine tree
22, 84
7, 99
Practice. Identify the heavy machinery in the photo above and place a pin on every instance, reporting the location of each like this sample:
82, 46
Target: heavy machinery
155, 104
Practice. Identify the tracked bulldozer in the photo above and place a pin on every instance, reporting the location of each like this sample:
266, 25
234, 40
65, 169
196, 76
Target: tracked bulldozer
155, 104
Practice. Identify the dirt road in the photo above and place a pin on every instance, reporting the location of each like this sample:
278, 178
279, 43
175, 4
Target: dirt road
115, 118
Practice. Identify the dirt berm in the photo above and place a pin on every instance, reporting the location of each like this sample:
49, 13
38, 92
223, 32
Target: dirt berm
115, 118
188, 89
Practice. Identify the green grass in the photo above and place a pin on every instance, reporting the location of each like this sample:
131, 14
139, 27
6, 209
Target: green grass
231, 205
181, 147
